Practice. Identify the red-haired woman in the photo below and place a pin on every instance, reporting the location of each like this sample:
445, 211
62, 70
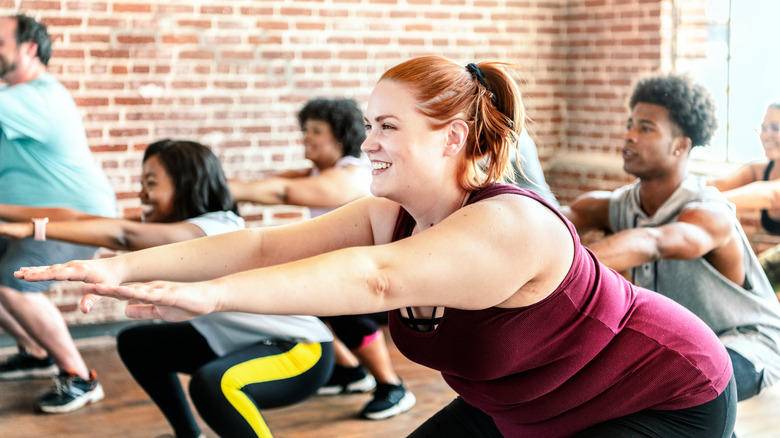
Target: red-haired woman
485, 282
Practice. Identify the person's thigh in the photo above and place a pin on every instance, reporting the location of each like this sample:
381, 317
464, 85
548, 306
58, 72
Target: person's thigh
163, 347
747, 377
458, 419
714, 419
230, 391
30, 252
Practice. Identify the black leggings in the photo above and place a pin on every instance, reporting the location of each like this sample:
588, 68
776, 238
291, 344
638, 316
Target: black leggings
714, 419
227, 391
353, 330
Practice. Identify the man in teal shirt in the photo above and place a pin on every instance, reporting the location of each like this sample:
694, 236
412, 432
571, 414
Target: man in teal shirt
44, 162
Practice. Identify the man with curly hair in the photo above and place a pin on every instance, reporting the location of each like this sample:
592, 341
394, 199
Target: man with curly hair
670, 233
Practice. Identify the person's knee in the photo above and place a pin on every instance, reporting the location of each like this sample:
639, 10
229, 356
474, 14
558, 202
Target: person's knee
7, 293
747, 377
205, 385
127, 345
15, 301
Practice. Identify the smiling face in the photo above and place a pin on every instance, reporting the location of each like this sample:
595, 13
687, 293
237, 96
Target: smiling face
405, 152
321, 147
157, 192
651, 149
770, 133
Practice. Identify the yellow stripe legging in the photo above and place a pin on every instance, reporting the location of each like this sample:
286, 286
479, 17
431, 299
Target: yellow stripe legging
230, 391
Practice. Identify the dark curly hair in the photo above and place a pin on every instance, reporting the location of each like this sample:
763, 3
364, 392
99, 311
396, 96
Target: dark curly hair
198, 180
689, 104
344, 118
28, 29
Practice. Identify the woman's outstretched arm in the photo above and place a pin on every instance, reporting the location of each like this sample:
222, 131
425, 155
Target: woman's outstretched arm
467, 261
119, 234
216, 256
21, 213
330, 188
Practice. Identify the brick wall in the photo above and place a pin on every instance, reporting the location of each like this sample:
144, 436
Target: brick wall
233, 73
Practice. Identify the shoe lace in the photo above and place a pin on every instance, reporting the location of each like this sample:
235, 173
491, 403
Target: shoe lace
62, 383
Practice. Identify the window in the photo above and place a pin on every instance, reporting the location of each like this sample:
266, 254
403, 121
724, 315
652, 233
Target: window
728, 46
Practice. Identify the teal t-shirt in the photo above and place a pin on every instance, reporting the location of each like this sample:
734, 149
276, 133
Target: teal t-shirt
45, 160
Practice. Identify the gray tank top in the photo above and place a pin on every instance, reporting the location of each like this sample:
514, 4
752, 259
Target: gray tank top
746, 317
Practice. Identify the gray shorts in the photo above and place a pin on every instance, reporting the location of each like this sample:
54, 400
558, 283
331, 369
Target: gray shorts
29, 252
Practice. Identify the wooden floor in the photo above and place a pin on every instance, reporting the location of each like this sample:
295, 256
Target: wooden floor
127, 412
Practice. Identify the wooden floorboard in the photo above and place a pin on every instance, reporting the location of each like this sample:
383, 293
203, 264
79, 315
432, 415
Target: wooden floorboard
128, 413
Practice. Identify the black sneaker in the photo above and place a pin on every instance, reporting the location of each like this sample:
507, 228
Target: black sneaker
23, 365
70, 392
345, 380
389, 400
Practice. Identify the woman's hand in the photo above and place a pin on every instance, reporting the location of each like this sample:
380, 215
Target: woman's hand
88, 271
16, 230
159, 299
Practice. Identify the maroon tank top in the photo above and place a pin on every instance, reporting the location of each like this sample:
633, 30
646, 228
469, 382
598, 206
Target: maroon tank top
597, 348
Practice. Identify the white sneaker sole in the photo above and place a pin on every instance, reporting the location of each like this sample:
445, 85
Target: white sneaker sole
38, 373
406, 403
93, 396
363, 385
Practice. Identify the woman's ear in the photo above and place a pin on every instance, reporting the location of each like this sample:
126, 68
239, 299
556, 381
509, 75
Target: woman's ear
457, 133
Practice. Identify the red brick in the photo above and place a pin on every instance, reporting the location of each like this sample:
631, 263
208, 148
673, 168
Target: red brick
116, 53
128, 132
91, 101
38, 5
86, 6
202, 24
135, 39
180, 38
132, 7
216, 10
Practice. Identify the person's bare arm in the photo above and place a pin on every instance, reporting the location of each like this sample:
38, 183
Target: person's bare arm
224, 254
590, 211
697, 232
443, 266
331, 188
759, 195
743, 176
21, 213
119, 234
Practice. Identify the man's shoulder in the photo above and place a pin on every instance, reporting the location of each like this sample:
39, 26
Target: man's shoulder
44, 86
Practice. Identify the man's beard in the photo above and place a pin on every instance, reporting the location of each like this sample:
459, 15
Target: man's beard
6, 67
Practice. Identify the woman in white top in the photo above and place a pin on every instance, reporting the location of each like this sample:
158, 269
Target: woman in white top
232, 357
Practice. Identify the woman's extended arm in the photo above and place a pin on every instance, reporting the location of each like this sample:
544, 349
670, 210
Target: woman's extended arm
21, 213
743, 176
330, 188
223, 254
120, 234
467, 261
759, 195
